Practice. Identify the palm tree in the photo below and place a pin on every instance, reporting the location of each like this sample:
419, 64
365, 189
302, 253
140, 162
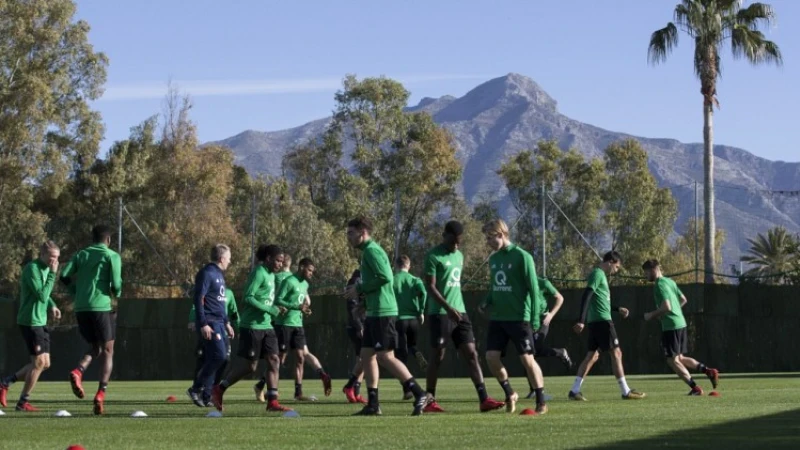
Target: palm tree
712, 23
775, 253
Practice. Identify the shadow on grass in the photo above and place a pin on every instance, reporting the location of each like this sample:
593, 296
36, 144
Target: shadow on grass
780, 430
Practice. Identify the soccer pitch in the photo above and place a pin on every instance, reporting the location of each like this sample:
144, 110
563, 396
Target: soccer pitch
754, 411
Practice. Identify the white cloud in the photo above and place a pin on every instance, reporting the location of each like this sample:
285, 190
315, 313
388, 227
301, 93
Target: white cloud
202, 88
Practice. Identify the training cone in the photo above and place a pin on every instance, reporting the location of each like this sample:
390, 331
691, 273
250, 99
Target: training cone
2, 413
63, 413
171, 399
138, 414
527, 412
713, 394
214, 414
76, 447
291, 414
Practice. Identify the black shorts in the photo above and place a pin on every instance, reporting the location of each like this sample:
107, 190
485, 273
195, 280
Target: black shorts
37, 339
352, 333
407, 332
519, 333
538, 338
380, 333
444, 329
675, 342
97, 327
290, 338
602, 336
257, 344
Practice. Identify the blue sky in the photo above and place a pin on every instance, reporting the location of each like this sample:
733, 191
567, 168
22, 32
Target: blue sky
269, 65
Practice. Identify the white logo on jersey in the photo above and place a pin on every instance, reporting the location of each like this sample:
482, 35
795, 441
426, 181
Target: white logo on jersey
500, 281
455, 278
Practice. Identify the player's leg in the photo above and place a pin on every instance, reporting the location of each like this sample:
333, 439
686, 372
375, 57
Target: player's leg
385, 343
463, 339
316, 365
269, 350
299, 362
40, 363
352, 390
251, 343
497, 340
105, 330
412, 333
401, 352
224, 366
86, 327
31, 342
611, 345
215, 352
437, 325
522, 337
371, 376
691, 363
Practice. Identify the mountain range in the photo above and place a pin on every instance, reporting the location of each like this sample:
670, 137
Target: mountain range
511, 113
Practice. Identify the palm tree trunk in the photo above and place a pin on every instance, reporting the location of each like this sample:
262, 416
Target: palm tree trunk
708, 190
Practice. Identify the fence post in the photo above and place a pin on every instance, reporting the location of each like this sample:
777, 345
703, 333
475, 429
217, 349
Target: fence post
253, 232
544, 232
696, 237
119, 227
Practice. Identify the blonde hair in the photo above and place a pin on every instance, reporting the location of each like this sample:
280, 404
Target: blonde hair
497, 226
218, 251
47, 247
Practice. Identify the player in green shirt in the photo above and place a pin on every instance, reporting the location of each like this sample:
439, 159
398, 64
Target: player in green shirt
447, 317
541, 324
411, 296
596, 312
257, 338
513, 287
96, 273
674, 340
293, 295
380, 335
36, 284
233, 316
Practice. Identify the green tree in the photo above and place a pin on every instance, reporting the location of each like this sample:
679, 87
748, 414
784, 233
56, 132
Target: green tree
712, 24
640, 215
49, 73
689, 245
772, 256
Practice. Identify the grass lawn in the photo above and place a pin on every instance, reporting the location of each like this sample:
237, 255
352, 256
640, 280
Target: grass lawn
754, 411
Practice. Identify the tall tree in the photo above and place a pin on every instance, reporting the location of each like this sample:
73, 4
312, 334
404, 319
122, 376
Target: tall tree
49, 73
772, 255
712, 24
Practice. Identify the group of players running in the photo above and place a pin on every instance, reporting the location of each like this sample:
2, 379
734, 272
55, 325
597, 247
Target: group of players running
385, 308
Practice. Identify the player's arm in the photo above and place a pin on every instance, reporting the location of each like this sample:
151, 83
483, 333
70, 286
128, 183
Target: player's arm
255, 280
32, 277
382, 271
529, 272
69, 270
288, 292
664, 308
233, 311
422, 295
116, 275
551, 291
683, 298
202, 284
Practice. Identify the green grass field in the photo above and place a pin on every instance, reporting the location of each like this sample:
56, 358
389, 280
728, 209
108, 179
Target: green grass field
754, 410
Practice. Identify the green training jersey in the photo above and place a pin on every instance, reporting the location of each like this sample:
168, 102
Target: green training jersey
36, 285
667, 291
410, 294
446, 267
279, 277
546, 291
292, 294
230, 309
513, 286
600, 306
376, 281
259, 296
98, 275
